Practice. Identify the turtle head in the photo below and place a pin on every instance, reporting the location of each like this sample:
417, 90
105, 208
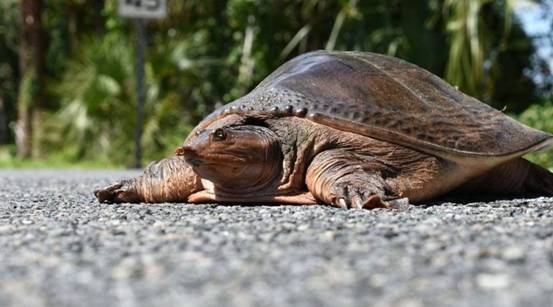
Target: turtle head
234, 156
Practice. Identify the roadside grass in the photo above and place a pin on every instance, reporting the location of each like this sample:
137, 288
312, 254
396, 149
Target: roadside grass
8, 160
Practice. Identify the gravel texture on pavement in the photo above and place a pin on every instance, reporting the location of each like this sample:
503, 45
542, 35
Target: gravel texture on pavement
59, 247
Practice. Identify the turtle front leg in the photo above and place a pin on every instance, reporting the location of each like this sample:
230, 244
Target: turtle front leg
347, 180
167, 180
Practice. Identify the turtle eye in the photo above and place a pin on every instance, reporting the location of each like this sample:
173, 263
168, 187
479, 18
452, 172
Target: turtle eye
219, 134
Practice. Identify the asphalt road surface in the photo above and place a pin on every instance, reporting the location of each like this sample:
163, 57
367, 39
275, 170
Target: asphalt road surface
59, 247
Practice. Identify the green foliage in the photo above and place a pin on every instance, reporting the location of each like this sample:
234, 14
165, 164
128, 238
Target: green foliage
9, 65
56, 160
467, 49
210, 52
97, 117
540, 116
98, 83
488, 52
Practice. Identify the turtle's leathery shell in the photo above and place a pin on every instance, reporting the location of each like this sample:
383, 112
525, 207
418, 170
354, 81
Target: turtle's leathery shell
388, 99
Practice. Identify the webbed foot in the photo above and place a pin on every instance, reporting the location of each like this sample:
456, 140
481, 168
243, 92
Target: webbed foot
365, 193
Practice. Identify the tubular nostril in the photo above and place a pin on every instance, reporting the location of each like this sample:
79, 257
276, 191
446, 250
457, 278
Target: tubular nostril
183, 150
179, 151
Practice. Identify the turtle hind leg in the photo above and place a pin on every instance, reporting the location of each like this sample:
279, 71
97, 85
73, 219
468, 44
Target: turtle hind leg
515, 178
538, 182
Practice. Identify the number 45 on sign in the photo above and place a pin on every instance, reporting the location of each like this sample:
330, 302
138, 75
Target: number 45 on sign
155, 9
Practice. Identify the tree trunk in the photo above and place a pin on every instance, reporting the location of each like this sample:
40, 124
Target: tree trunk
3, 123
32, 61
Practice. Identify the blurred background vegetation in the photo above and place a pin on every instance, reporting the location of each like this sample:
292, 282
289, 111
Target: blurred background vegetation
67, 66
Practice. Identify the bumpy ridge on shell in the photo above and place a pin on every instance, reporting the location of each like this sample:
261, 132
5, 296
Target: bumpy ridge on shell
388, 99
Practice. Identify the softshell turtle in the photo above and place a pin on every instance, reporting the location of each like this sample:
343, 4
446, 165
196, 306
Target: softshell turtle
350, 129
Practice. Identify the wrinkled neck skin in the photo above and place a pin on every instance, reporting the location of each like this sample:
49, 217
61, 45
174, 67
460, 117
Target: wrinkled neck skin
300, 142
167, 180
293, 146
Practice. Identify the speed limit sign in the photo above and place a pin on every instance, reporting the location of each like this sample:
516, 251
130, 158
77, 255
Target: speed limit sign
155, 9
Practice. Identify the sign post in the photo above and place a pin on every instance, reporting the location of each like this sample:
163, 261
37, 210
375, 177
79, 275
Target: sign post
139, 10
140, 90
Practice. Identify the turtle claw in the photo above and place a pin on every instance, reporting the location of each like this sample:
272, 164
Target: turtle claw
357, 202
347, 196
342, 203
375, 201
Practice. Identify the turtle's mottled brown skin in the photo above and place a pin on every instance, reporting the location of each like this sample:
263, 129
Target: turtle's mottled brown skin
349, 129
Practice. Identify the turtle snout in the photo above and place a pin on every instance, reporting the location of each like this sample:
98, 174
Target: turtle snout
190, 155
185, 150
108, 194
120, 192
